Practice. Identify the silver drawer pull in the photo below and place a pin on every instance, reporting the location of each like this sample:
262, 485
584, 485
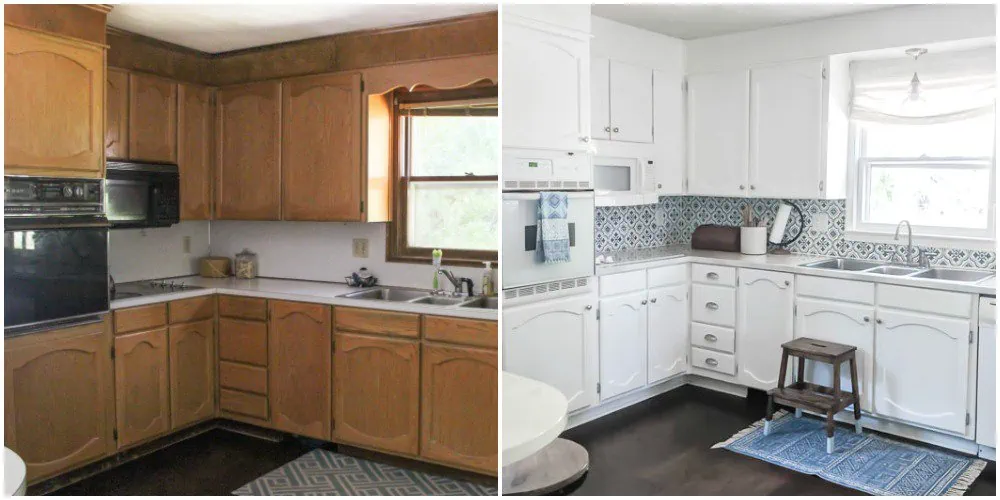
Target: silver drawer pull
712, 305
711, 362
712, 276
711, 338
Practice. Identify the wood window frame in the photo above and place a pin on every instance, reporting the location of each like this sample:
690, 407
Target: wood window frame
397, 249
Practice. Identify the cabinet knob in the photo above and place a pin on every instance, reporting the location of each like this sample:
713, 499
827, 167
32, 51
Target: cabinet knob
879, 321
787, 283
659, 186
867, 319
615, 130
585, 139
652, 300
607, 129
712, 305
742, 187
643, 302
589, 307
711, 338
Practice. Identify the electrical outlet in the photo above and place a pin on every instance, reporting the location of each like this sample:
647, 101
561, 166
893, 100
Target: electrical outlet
821, 222
187, 244
360, 247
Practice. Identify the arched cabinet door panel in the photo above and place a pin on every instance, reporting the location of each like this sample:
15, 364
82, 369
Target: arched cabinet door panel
142, 386
764, 322
299, 367
248, 173
192, 372
623, 343
667, 332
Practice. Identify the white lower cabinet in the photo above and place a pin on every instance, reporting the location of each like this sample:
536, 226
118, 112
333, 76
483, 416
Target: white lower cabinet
764, 322
623, 343
666, 331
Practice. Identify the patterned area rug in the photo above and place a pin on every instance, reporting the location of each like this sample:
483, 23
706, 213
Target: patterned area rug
870, 462
325, 473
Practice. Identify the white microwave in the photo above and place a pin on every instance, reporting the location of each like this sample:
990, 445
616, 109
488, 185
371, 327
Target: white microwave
544, 170
624, 181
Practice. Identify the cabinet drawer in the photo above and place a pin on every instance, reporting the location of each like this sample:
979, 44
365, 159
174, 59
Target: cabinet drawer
242, 307
925, 301
666, 275
715, 305
713, 275
713, 337
378, 322
834, 289
614, 284
461, 331
243, 377
243, 403
243, 341
195, 308
715, 361
140, 318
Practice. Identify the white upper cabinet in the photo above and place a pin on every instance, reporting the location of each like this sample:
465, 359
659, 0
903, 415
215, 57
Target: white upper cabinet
844, 323
546, 87
765, 321
717, 135
668, 132
667, 332
623, 343
600, 98
621, 101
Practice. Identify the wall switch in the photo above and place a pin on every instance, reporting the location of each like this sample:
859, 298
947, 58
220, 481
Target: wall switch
187, 244
361, 247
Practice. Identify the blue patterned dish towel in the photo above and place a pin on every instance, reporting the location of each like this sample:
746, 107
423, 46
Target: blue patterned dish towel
553, 230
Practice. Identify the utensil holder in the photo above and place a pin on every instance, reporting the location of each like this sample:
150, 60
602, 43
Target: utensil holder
753, 240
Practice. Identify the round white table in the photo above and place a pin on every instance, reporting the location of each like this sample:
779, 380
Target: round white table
14, 474
535, 459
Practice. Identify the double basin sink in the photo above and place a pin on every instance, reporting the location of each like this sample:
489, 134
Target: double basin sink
866, 267
391, 294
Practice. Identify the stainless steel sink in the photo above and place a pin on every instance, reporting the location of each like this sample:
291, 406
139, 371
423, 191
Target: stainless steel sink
483, 303
389, 294
438, 300
893, 270
842, 264
953, 275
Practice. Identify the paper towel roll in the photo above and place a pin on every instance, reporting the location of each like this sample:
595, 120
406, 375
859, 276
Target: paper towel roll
780, 221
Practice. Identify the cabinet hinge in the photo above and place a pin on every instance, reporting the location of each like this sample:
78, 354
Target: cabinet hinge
112, 352
115, 434
685, 185
598, 387
968, 418
795, 309
821, 186
598, 313
684, 85
363, 84
362, 206
824, 73
970, 336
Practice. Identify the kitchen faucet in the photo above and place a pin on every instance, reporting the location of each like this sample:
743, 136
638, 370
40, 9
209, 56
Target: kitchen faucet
457, 282
909, 239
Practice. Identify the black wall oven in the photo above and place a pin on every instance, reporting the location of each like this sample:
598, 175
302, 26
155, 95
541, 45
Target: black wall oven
55, 253
142, 194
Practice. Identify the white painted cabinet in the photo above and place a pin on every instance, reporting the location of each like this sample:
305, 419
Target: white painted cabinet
556, 342
546, 86
922, 369
667, 332
717, 135
986, 389
623, 343
621, 101
764, 322
668, 132
600, 98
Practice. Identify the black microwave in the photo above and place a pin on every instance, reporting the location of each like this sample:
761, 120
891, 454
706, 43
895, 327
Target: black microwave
140, 195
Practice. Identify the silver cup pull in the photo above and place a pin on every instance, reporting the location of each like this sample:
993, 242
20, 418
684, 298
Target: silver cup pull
711, 362
711, 338
712, 276
712, 305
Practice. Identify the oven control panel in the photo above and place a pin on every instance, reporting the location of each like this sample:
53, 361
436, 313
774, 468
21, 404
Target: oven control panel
41, 195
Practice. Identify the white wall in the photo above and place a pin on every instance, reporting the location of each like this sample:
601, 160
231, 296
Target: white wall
155, 253
896, 27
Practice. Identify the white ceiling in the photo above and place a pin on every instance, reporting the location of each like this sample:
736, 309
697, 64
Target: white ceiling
688, 21
222, 28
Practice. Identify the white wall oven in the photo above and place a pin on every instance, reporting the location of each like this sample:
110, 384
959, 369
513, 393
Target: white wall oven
546, 170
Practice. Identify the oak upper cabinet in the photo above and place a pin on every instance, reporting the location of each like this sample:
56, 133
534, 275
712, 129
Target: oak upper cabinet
667, 331
621, 101
53, 105
300, 355
142, 386
546, 78
717, 133
152, 119
623, 329
459, 406
765, 302
58, 398
248, 175
192, 372
376, 390
116, 125
196, 120
321, 172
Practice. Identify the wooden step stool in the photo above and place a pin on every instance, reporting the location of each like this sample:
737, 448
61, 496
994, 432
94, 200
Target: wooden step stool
803, 395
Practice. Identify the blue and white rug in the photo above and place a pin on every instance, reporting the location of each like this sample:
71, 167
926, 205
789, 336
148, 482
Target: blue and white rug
325, 473
869, 462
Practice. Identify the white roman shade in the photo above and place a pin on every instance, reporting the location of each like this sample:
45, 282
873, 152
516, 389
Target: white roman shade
953, 86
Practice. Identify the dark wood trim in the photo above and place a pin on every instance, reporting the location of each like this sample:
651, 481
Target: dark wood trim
82, 22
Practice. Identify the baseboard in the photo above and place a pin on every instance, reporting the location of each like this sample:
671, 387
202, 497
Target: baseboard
623, 401
718, 385
988, 453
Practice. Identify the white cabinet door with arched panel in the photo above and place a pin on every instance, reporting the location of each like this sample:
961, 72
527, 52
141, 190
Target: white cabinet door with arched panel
765, 301
623, 343
667, 332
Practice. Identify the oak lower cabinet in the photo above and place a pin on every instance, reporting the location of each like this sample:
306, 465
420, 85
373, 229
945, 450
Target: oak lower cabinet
192, 372
243, 360
142, 386
765, 302
248, 152
59, 398
299, 363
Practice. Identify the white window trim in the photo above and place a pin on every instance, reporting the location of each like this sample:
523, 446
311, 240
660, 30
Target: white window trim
931, 236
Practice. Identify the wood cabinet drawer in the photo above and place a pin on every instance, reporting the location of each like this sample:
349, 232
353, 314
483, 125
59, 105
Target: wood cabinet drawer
461, 331
666, 275
242, 307
614, 284
715, 305
834, 289
243, 403
713, 337
378, 322
243, 341
242, 377
134, 319
714, 361
193, 309
925, 301
713, 275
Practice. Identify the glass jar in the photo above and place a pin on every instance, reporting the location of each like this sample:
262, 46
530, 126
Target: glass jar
246, 265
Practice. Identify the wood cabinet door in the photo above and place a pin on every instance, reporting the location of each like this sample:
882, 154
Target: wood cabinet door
321, 171
376, 390
248, 131
717, 133
300, 355
623, 343
53, 106
631, 91
667, 330
194, 150
116, 126
58, 390
459, 407
152, 124
141, 386
764, 322
192, 372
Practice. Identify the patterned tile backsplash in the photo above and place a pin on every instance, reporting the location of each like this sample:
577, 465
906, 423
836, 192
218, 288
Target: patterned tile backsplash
674, 218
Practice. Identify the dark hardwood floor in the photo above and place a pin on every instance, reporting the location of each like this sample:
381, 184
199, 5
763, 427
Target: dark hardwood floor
663, 447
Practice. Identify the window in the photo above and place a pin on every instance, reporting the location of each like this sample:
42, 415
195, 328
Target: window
447, 183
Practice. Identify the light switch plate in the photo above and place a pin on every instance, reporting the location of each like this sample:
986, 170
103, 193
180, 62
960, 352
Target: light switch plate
821, 223
187, 244
360, 247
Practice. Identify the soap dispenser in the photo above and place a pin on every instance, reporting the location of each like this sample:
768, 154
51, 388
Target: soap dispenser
487, 282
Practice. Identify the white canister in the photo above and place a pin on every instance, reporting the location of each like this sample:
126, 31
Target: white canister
753, 240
